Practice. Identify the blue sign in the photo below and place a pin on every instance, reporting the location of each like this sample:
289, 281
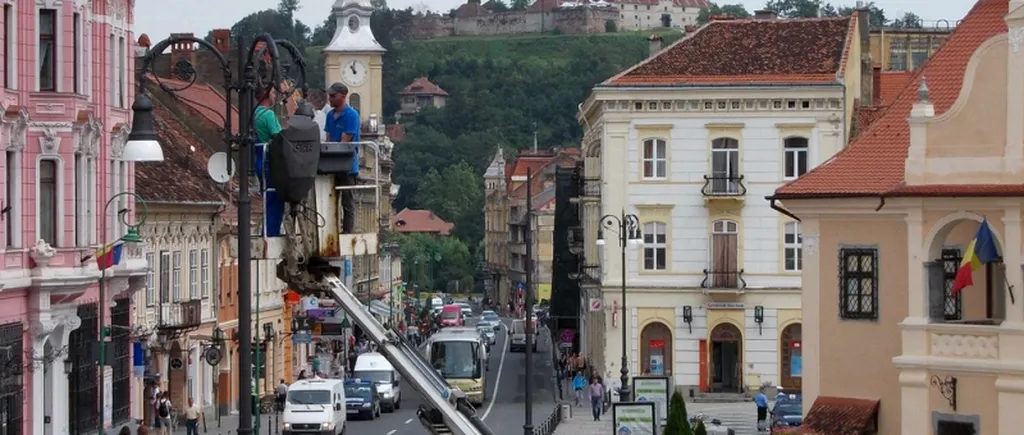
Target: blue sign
520, 285
320, 313
348, 267
302, 337
138, 355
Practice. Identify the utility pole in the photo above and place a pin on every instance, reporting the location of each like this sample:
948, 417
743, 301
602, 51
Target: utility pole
528, 320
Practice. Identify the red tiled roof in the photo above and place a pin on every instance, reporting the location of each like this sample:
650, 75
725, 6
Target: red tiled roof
684, 3
204, 99
181, 176
840, 416
565, 158
420, 221
423, 86
873, 164
810, 50
544, 5
891, 84
470, 10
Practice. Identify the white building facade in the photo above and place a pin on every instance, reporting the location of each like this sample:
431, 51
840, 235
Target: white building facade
713, 293
648, 14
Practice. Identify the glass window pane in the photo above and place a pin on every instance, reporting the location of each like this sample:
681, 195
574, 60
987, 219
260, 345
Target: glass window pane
661, 168
801, 163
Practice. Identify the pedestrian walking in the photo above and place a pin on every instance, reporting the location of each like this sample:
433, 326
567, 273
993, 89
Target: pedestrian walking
163, 410
596, 397
579, 386
192, 414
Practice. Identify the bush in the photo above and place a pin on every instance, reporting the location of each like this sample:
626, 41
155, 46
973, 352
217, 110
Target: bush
700, 430
677, 423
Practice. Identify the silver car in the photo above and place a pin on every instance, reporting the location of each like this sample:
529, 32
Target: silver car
487, 333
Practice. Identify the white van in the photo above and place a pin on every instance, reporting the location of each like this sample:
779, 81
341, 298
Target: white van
374, 367
314, 407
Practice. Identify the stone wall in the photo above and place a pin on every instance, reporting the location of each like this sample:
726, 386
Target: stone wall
565, 21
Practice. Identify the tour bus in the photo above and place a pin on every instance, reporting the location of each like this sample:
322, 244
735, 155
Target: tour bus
461, 360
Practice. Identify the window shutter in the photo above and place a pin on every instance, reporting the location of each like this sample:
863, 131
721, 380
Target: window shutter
998, 291
936, 291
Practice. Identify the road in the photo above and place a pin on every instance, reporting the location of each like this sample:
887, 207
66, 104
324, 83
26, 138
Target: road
504, 410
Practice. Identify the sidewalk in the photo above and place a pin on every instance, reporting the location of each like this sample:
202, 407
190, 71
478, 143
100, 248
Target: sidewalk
229, 426
582, 423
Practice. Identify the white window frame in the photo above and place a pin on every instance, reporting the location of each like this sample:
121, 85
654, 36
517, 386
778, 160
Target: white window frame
653, 248
58, 225
176, 277
193, 274
78, 57
81, 191
122, 72
150, 279
119, 183
657, 156
165, 277
113, 68
13, 193
11, 43
58, 41
792, 150
204, 272
792, 243
727, 148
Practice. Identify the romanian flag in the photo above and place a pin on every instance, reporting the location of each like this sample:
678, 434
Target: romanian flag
109, 255
982, 250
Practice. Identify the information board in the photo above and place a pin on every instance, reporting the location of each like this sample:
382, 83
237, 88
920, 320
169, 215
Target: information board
634, 418
654, 389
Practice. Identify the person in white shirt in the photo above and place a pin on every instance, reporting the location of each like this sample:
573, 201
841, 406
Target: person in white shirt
192, 414
163, 412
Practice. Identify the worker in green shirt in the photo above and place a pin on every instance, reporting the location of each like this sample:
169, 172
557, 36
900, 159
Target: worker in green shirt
267, 126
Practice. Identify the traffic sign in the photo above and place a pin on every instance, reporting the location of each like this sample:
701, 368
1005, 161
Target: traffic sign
345, 324
596, 304
302, 337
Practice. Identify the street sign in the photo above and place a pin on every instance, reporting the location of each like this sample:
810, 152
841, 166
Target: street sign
302, 337
596, 304
345, 324
177, 363
320, 313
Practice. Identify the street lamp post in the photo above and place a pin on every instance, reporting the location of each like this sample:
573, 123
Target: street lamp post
627, 227
130, 238
391, 249
254, 62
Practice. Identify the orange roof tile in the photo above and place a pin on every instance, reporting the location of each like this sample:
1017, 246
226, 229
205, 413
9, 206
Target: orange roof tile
840, 416
422, 86
752, 51
873, 164
420, 221
205, 99
891, 84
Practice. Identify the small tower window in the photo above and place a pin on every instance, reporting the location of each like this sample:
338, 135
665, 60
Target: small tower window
353, 23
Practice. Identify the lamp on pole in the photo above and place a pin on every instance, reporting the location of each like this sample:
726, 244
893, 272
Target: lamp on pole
258, 69
391, 249
627, 227
131, 238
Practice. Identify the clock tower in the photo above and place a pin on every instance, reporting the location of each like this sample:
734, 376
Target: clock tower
355, 58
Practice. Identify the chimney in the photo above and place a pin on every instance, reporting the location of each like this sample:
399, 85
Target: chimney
654, 45
876, 85
182, 50
222, 40
765, 14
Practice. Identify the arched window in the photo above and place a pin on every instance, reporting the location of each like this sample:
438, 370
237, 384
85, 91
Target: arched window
795, 157
725, 166
354, 101
724, 254
655, 246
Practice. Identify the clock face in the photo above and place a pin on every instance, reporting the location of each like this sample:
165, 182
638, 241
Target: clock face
353, 24
354, 72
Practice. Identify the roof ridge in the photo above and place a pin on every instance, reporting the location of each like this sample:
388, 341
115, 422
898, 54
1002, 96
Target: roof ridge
655, 55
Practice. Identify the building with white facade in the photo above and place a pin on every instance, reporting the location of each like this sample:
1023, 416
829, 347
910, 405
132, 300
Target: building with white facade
691, 141
647, 14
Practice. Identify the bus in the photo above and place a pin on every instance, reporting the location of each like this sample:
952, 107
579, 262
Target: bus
458, 354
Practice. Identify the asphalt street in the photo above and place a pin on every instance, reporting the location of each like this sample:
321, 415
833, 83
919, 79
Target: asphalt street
504, 409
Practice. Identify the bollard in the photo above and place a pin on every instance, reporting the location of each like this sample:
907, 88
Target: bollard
566, 411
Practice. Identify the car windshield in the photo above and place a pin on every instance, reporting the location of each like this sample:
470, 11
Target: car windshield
489, 313
490, 317
456, 359
789, 408
484, 328
449, 314
309, 397
375, 376
361, 391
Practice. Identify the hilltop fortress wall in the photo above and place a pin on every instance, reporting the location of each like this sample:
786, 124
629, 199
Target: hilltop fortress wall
565, 21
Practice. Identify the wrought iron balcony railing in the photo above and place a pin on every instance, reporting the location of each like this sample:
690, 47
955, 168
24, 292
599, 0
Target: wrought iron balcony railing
723, 279
724, 186
588, 187
182, 316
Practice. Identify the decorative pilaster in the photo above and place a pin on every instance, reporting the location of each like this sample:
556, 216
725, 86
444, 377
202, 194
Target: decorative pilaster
1010, 394
914, 406
917, 254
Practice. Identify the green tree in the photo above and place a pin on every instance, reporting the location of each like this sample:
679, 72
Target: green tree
700, 430
498, 6
677, 422
876, 18
434, 262
734, 10
796, 8
520, 5
455, 193
909, 20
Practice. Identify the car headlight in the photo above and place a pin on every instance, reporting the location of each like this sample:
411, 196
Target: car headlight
366, 405
386, 395
781, 423
286, 426
326, 426
476, 388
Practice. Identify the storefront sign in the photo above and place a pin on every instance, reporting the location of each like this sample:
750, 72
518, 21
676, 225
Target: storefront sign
725, 305
653, 389
634, 418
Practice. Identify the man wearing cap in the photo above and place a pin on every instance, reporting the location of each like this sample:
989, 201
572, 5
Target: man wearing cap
342, 125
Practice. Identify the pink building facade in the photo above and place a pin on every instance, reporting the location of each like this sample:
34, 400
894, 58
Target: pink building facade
66, 112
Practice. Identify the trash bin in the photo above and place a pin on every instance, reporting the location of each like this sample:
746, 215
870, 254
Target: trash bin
566, 411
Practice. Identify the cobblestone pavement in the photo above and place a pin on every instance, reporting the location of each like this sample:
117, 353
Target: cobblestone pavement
740, 417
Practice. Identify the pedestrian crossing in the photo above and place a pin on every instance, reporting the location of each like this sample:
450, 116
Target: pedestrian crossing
740, 417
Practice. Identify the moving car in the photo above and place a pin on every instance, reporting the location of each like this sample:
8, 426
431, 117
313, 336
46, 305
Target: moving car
314, 407
487, 333
491, 319
373, 367
517, 332
451, 315
467, 310
787, 412
362, 399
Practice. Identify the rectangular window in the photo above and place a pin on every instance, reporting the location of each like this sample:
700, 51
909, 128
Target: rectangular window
176, 277
858, 283
898, 54
150, 282
10, 211
795, 156
655, 249
193, 274
793, 246
81, 199
122, 59
165, 276
47, 50
8, 47
48, 201
77, 53
951, 259
204, 272
655, 158
724, 255
113, 71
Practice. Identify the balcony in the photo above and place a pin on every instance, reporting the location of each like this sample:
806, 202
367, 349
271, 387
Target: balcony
588, 275
723, 188
576, 240
723, 281
180, 317
589, 189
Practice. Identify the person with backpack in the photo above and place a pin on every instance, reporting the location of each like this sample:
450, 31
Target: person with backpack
163, 412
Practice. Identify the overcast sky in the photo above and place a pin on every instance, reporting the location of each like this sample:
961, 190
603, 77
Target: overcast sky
158, 20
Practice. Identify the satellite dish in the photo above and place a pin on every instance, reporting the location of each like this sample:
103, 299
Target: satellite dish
220, 167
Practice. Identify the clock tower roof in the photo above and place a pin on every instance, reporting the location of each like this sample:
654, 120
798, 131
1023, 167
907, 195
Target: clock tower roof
352, 33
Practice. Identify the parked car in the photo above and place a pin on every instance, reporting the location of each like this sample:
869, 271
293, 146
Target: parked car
786, 413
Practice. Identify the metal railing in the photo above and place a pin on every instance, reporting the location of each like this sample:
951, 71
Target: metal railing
724, 279
723, 186
548, 426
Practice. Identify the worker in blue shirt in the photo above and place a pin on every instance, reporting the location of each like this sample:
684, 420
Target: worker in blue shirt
761, 401
342, 125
